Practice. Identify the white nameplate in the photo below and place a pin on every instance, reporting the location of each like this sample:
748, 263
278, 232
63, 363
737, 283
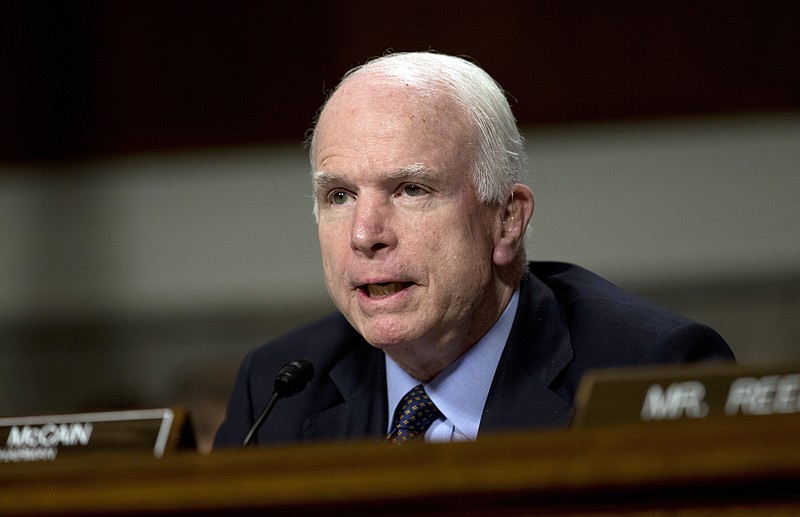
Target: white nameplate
47, 437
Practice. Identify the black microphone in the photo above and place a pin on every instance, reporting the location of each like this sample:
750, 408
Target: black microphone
291, 380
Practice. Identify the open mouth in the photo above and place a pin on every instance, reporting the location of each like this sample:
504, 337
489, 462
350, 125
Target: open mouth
383, 289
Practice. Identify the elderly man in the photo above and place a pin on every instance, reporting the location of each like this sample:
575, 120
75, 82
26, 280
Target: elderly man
417, 174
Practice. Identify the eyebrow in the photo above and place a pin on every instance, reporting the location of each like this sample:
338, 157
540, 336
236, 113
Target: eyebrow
416, 170
320, 179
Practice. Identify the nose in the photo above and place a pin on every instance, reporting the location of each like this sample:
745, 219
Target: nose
372, 229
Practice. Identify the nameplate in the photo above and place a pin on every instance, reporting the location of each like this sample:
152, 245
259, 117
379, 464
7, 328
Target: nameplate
48, 437
686, 392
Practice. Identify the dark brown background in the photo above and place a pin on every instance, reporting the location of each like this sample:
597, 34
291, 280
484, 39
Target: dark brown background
98, 79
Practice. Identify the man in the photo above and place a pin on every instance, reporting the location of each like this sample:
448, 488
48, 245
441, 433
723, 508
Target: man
422, 215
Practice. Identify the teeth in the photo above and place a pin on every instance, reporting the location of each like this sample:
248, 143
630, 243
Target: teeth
384, 289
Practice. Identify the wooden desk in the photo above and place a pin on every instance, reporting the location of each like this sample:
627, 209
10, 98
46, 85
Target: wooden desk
735, 467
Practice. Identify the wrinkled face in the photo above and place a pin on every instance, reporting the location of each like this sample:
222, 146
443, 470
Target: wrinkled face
406, 247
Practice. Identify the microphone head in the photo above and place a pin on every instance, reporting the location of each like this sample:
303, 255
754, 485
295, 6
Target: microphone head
293, 378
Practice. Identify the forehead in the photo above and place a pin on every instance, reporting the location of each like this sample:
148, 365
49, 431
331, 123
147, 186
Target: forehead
383, 116
373, 87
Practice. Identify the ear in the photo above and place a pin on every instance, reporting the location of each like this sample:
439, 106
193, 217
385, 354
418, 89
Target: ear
514, 219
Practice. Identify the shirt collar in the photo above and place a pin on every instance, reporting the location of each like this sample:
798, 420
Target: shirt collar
461, 389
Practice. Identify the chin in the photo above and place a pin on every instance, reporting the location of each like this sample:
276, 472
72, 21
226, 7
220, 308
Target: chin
391, 328
384, 338
382, 341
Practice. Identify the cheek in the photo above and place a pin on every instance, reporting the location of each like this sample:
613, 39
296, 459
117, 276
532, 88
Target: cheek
331, 240
332, 262
458, 251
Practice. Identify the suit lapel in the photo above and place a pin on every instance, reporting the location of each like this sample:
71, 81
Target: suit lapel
360, 408
537, 350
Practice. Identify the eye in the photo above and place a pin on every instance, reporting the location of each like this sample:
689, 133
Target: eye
338, 197
413, 190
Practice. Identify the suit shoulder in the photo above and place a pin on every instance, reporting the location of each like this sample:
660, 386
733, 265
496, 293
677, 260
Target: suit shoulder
607, 320
575, 286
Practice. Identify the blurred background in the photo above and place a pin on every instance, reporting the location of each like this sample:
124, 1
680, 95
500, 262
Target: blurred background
155, 211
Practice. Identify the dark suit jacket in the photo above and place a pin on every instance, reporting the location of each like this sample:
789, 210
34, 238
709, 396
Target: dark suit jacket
568, 321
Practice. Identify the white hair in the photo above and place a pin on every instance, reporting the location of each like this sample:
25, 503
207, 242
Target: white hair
499, 160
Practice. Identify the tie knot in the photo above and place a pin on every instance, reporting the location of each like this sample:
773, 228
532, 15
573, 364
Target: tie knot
415, 414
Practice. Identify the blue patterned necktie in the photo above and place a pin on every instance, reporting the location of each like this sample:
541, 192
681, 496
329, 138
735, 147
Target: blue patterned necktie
415, 414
